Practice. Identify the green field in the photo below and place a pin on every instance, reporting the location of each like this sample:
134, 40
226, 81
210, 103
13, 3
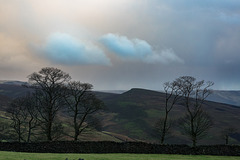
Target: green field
50, 156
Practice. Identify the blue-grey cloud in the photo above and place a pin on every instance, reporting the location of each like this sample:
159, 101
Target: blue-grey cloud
230, 18
137, 49
62, 48
207, 4
124, 47
165, 56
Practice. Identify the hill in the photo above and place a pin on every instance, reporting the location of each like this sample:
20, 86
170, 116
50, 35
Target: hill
132, 114
228, 97
17, 83
13, 90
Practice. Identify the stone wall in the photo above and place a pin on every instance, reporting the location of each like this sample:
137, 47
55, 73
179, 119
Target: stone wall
114, 147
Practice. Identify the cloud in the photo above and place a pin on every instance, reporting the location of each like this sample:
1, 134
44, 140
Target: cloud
230, 18
213, 4
165, 56
124, 47
137, 49
62, 48
205, 34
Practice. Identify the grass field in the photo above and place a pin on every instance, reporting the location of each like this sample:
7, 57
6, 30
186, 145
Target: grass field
50, 156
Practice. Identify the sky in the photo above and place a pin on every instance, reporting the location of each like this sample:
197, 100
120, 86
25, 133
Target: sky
122, 44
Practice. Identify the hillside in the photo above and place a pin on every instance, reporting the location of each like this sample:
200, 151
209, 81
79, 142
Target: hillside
4, 101
228, 97
13, 90
16, 83
133, 114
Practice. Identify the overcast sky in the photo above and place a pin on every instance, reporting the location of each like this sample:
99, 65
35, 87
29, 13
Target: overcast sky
122, 44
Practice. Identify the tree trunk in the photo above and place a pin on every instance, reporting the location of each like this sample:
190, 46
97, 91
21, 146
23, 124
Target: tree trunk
29, 135
76, 130
19, 132
194, 141
226, 138
76, 135
164, 128
49, 130
194, 138
29, 129
78, 126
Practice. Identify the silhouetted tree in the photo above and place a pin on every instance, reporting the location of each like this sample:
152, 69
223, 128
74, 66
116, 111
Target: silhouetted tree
196, 127
227, 132
2, 127
196, 122
23, 114
4, 130
49, 84
162, 129
81, 103
163, 125
32, 114
18, 117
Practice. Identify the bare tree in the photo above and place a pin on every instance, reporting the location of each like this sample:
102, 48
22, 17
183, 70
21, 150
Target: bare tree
49, 84
82, 103
23, 113
32, 122
17, 119
228, 132
163, 125
2, 127
18, 116
162, 129
194, 94
4, 130
196, 128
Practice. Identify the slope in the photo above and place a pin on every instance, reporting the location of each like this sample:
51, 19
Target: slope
228, 97
134, 113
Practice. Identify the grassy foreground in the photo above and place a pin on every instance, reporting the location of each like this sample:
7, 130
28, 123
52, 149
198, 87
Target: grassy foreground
50, 156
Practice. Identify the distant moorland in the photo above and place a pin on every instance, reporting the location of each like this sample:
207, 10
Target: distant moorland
130, 116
